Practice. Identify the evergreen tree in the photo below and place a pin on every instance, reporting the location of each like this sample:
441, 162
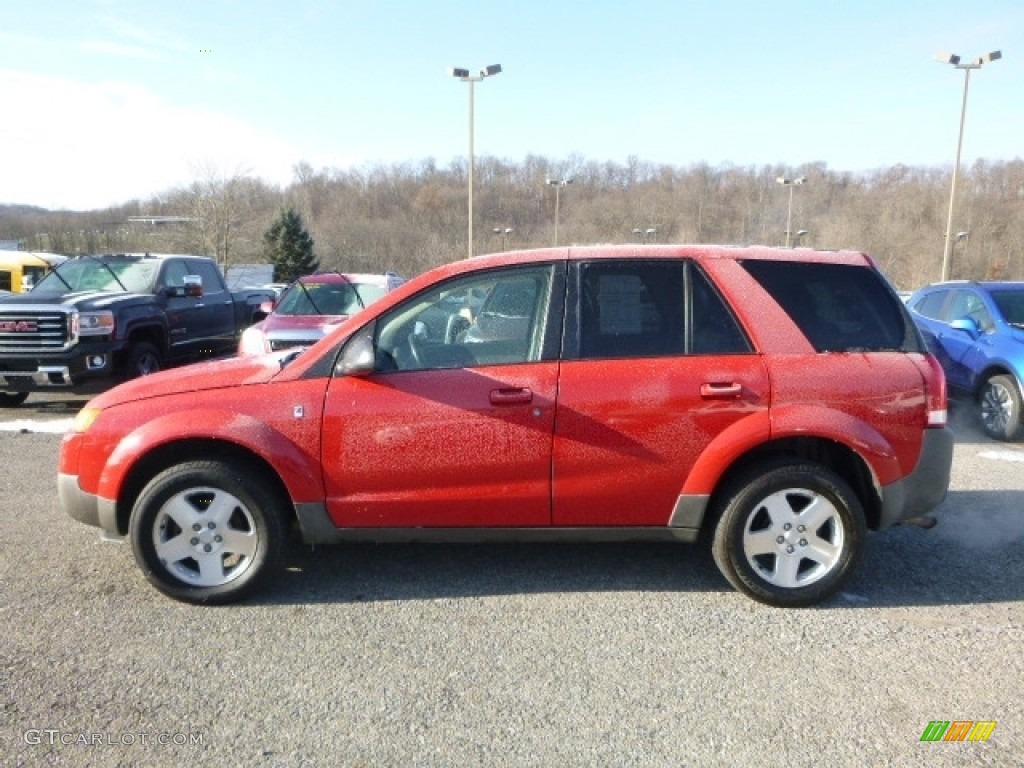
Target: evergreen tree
289, 247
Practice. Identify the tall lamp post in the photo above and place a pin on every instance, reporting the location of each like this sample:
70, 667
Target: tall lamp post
503, 234
464, 76
557, 184
967, 66
786, 182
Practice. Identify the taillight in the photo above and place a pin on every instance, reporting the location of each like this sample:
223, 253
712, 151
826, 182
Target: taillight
935, 390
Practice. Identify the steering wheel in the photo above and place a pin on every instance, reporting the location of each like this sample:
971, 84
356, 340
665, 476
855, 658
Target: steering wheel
415, 349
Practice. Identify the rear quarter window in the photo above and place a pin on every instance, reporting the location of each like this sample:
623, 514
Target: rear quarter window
838, 307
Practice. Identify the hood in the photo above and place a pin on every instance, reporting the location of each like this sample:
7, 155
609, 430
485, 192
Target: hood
216, 374
82, 300
321, 323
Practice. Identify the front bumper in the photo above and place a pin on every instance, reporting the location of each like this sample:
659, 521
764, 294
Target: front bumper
925, 487
86, 507
85, 365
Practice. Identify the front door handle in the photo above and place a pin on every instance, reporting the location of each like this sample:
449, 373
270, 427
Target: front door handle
511, 396
724, 390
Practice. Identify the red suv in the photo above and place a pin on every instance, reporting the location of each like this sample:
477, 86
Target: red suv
310, 307
777, 403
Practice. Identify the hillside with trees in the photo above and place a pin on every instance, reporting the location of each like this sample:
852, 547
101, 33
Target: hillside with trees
407, 218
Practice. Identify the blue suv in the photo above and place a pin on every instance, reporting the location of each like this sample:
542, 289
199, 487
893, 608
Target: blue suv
976, 330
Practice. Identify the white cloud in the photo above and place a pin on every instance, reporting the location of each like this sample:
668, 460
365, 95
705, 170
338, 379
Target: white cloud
89, 145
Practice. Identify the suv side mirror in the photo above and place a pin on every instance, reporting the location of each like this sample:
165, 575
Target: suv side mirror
358, 358
966, 325
193, 286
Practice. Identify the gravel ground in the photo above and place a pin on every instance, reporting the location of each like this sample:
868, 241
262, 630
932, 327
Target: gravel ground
512, 655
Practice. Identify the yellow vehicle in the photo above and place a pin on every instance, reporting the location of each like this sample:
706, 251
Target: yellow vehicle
20, 270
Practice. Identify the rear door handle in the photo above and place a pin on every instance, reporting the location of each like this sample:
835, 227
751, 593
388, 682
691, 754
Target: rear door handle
511, 396
723, 390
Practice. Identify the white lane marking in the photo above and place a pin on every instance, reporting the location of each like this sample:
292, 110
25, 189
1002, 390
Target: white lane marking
29, 425
1003, 455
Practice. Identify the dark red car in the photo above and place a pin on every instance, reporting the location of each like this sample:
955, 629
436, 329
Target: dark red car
778, 402
311, 307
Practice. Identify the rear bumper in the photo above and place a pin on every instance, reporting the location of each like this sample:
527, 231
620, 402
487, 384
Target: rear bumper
925, 487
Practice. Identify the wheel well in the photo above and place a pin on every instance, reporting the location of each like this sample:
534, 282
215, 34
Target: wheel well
168, 455
839, 458
988, 373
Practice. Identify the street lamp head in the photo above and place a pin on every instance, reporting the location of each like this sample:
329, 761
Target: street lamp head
788, 182
947, 58
458, 72
491, 70
962, 236
557, 182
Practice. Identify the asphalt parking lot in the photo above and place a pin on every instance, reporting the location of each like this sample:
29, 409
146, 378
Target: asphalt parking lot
510, 655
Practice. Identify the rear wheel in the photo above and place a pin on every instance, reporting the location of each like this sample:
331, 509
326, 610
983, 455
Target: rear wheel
789, 533
12, 399
207, 532
999, 404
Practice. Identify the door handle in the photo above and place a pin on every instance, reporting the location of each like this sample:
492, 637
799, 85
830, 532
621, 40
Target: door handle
511, 396
721, 390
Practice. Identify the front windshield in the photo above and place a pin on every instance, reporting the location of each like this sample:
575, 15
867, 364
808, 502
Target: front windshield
320, 298
1011, 305
85, 274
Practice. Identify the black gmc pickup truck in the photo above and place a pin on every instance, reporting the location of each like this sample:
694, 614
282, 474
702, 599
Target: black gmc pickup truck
95, 320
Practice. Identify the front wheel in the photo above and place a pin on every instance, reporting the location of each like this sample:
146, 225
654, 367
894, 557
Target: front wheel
12, 399
789, 533
999, 404
143, 359
207, 532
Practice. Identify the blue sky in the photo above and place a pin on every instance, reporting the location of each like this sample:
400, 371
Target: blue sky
104, 101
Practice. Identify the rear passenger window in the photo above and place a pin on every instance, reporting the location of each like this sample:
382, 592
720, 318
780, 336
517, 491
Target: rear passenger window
652, 309
838, 307
931, 305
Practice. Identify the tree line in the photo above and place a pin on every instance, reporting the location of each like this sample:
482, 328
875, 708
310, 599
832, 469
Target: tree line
410, 217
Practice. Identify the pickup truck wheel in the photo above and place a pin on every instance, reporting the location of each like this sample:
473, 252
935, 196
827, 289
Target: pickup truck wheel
789, 533
143, 359
999, 404
12, 399
207, 532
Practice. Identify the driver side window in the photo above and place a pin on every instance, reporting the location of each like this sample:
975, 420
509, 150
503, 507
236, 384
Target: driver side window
489, 318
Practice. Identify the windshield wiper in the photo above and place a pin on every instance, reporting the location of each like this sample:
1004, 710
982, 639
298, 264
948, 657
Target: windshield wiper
284, 361
112, 272
309, 296
56, 273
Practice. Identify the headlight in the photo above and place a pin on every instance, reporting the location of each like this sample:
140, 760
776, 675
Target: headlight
253, 342
96, 323
84, 419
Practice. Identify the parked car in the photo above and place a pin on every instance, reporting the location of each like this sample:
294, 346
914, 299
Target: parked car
976, 330
311, 306
778, 403
95, 320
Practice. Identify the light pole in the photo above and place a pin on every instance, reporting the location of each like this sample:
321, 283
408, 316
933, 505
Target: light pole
503, 234
952, 58
557, 184
464, 76
643, 234
789, 212
961, 237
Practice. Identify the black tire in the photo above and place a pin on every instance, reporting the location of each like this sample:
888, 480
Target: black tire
207, 532
143, 359
12, 399
789, 533
999, 408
